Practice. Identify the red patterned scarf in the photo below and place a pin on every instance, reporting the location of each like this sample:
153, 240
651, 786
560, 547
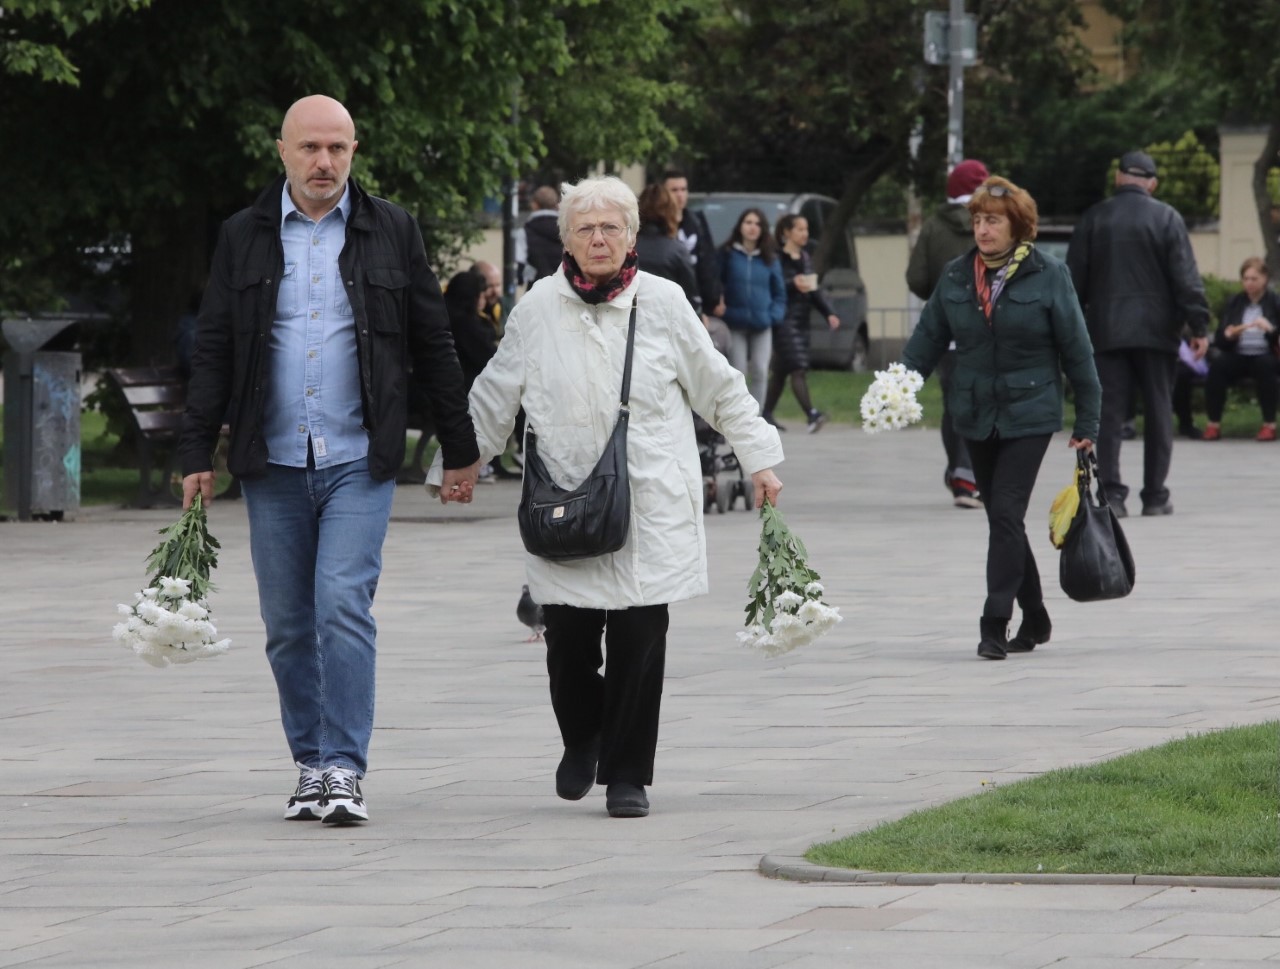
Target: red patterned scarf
593, 294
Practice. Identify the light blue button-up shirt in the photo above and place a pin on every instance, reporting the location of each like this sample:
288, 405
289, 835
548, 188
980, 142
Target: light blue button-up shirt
315, 372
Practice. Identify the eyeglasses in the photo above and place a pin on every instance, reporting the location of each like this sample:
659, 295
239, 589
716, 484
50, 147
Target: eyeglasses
995, 191
609, 230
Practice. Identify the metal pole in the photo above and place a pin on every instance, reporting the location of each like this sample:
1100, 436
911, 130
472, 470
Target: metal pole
955, 91
510, 195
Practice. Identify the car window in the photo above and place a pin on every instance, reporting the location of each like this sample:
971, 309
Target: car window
722, 213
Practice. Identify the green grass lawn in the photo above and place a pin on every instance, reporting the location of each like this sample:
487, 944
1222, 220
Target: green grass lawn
1205, 805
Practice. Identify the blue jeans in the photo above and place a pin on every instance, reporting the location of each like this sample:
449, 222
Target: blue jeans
316, 537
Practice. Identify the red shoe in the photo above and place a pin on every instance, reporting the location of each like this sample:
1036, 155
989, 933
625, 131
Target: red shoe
1211, 432
1268, 433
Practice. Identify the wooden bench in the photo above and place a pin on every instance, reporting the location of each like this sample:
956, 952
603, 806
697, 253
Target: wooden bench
156, 398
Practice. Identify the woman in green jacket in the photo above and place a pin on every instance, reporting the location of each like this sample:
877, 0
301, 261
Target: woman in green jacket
1013, 314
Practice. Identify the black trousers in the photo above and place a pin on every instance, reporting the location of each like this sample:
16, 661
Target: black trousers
1228, 367
1006, 470
1152, 371
622, 705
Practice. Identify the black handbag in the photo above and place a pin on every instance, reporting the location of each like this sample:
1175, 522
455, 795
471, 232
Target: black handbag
593, 518
1096, 562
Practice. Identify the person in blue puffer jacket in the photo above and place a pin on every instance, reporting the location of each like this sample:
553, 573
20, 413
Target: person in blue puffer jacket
755, 297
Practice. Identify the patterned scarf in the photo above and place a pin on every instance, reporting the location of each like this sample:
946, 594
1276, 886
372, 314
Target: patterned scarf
991, 284
593, 294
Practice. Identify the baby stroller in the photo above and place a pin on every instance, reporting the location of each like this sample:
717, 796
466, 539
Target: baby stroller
723, 482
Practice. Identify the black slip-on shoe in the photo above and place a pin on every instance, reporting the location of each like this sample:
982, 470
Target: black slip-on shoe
576, 774
625, 800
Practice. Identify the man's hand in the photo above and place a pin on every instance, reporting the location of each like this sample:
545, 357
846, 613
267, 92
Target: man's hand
833, 321
202, 482
1199, 346
459, 484
766, 486
1080, 444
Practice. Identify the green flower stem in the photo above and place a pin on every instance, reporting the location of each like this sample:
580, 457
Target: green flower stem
187, 551
782, 566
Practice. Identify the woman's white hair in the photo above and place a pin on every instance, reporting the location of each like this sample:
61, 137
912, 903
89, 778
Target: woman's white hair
599, 192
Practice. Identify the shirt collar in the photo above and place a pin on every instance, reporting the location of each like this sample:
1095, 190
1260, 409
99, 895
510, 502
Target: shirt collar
287, 207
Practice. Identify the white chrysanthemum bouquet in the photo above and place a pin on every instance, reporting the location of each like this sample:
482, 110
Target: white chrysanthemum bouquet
169, 620
785, 608
890, 402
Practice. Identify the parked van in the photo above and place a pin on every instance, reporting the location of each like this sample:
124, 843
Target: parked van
846, 347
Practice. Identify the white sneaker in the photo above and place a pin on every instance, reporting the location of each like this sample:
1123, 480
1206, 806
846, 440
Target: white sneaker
305, 803
343, 802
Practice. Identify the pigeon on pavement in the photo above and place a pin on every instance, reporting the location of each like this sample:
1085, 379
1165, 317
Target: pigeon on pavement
530, 613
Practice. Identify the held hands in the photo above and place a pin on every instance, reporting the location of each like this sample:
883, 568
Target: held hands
1080, 444
766, 486
458, 484
202, 483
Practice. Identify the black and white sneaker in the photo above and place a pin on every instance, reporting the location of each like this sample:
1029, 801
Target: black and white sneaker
343, 803
305, 803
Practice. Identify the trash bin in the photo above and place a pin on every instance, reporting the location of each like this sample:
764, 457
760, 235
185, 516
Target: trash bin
41, 422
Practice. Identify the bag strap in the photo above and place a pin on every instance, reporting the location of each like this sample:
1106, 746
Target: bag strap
631, 342
1087, 462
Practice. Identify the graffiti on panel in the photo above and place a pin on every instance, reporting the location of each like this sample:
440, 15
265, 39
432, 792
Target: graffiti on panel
55, 443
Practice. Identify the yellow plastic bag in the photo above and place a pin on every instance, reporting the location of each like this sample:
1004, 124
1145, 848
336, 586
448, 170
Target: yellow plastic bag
1063, 511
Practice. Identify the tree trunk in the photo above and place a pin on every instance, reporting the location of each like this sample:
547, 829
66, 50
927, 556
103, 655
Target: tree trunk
856, 186
169, 264
1268, 160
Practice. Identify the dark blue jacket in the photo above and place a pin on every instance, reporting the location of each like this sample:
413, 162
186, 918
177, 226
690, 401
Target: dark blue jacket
755, 296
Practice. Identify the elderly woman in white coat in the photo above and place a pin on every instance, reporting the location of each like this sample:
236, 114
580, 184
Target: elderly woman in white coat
561, 359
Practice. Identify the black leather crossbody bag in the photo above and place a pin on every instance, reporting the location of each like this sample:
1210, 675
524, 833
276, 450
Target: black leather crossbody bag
593, 518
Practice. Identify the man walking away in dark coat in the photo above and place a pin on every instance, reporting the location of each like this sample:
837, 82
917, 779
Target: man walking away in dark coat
1134, 271
946, 235
543, 251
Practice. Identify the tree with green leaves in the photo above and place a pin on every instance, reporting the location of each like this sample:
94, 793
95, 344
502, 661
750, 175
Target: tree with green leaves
39, 52
172, 124
825, 97
1228, 49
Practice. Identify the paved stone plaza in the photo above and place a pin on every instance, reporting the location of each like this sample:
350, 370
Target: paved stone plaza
141, 808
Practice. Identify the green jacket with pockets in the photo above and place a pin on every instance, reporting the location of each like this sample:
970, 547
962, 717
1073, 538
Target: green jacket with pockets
1008, 378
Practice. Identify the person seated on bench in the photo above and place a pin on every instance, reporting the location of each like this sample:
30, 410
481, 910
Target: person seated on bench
1246, 344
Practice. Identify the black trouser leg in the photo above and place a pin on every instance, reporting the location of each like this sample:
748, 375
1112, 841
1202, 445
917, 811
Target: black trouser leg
574, 658
959, 464
1264, 377
774, 392
1155, 370
1116, 379
1006, 471
1228, 367
1182, 396
624, 704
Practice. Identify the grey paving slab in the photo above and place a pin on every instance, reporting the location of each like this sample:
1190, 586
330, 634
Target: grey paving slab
140, 818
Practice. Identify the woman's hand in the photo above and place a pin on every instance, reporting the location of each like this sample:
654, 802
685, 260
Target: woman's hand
1080, 444
766, 486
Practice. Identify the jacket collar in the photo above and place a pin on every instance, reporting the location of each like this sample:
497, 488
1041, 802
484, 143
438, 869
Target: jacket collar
623, 299
267, 206
962, 272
